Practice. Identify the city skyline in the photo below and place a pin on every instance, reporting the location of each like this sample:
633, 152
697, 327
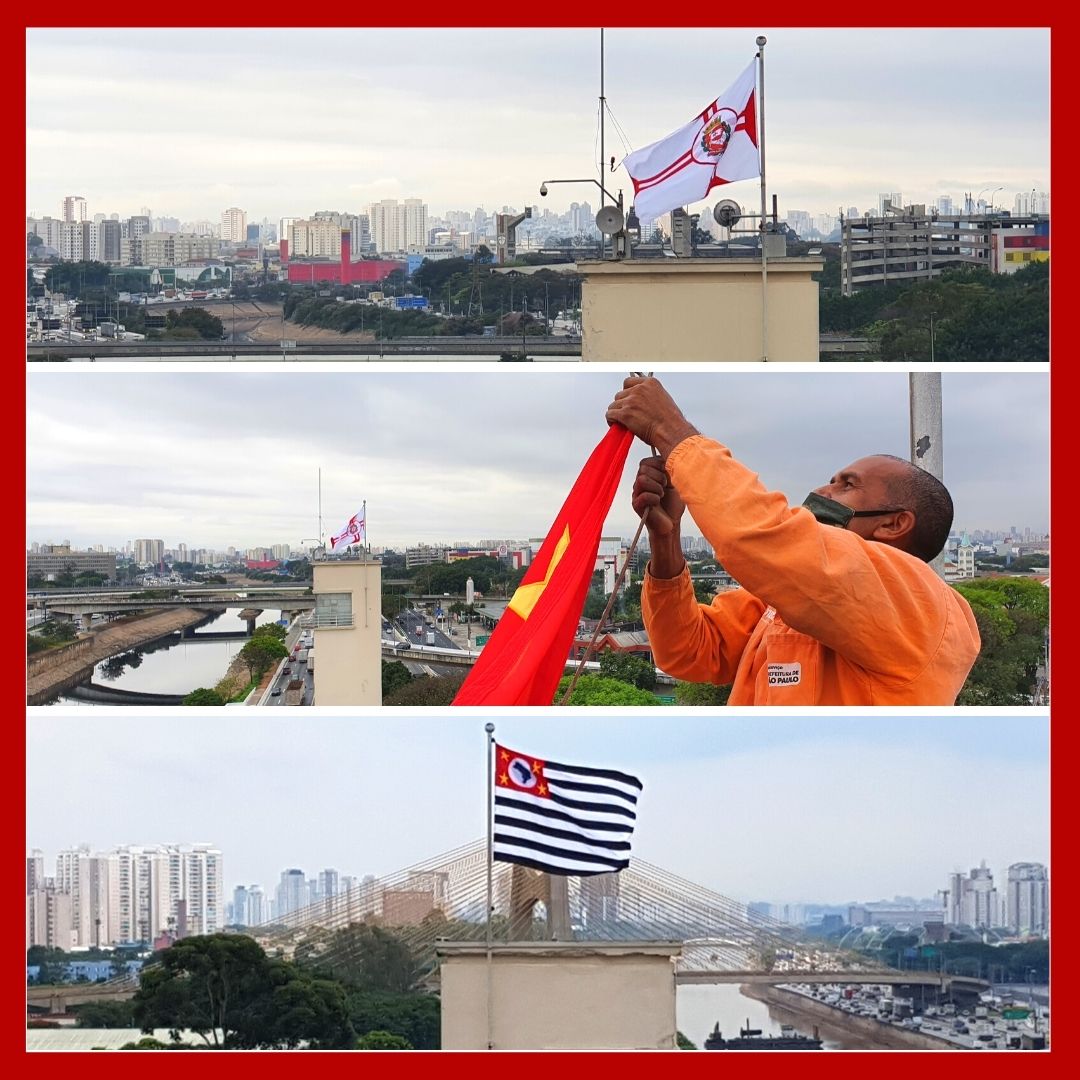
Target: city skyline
900, 821
841, 103
444, 455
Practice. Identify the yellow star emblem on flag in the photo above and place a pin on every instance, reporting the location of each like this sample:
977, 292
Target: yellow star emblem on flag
526, 596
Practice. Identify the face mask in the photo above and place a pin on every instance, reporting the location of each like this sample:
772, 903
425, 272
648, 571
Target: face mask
831, 512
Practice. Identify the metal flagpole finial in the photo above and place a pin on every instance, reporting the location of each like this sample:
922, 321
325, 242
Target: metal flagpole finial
489, 727
761, 39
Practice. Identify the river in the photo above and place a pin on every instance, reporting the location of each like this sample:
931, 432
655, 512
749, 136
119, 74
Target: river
177, 668
698, 1008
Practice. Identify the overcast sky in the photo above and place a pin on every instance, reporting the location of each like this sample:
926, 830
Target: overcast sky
823, 809
212, 459
287, 122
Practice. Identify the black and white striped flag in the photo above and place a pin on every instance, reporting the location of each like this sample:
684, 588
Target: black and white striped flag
563, 819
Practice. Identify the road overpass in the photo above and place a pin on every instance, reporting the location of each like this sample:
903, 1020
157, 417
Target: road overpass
466, 658
422, 348
62, 997
939, 980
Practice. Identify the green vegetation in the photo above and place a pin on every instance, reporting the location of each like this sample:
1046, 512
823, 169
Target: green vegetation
226, 989
382, 1040
448, 284
440, 690
51, 634
229, 992
395, 675
627, 668
683, 1043
1009, 963
597, 690
105, 1014
977, 316
1013, 616
260, 653
203, 696
687, 693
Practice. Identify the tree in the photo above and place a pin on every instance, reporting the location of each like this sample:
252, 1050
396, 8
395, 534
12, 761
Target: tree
440, 690
683, 1043
414, 1016
393, 604
371, 958
395, 675
595, 604
105, 1014
627, 668
597, 690
259, 654
382, 1040
701, 694
202, 983
203, 696
225, 989
270, 630
193, 323
1012, 615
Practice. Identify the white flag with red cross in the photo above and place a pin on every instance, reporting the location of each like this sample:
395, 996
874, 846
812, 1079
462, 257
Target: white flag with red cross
718, 146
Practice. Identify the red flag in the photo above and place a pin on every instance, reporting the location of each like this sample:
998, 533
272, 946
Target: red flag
525, 657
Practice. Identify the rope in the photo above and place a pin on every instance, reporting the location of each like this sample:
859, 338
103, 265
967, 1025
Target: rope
607, 610
618, 583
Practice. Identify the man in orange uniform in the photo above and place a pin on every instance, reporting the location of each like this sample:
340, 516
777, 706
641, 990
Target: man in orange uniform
837, 606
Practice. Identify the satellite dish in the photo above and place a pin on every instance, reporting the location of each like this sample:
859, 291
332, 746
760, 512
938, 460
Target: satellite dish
727, 213
609, 220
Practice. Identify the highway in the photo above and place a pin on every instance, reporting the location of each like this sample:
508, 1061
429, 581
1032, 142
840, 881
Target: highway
410, 626
289, 670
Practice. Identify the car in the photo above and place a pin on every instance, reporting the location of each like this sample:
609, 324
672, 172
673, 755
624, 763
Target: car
275, 693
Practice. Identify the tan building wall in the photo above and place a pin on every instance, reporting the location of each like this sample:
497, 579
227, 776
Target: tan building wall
559, 996
349, 650
641, 311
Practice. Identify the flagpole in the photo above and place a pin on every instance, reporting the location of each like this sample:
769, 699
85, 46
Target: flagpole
489, 729
761, 152
320, 508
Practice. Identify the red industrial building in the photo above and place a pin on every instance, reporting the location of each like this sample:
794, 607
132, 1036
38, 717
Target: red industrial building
345, 272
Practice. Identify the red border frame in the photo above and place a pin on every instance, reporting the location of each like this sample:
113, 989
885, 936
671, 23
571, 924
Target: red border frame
634, 13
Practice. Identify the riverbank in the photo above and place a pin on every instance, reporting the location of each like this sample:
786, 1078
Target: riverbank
854, 1032
51, 673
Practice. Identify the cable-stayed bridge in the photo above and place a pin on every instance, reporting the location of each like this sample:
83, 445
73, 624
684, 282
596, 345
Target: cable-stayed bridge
444, 899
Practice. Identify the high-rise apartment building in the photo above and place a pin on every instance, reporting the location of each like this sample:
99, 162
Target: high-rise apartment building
234, 225
35, 870
328, 883
248, 907
149, 552
110, 234
70, 244
1027, 898
291, 893
175, 249
973, 900
398, 226
74, 208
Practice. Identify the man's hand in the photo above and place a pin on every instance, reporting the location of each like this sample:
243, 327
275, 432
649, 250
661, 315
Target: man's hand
656, 493
649, 411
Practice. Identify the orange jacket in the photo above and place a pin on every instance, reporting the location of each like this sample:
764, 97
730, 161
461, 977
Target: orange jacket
823, 617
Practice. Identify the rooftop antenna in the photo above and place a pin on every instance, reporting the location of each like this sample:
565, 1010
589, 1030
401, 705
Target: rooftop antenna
603, 105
